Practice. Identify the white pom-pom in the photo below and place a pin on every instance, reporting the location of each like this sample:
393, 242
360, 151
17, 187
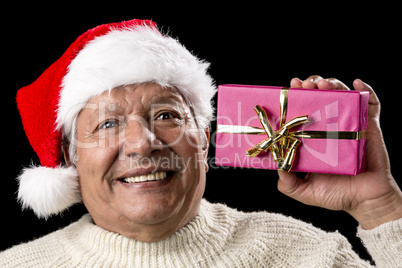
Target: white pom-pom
48, 191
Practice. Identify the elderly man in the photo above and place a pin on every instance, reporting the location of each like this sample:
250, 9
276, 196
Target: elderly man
131, 107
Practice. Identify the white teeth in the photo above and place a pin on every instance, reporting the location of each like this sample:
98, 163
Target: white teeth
150, 177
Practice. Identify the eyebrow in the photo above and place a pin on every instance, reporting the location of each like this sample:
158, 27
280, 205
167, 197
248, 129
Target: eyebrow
172, 98
105, 109
115, 108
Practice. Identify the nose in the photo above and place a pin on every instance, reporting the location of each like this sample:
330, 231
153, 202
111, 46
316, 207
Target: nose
139, 140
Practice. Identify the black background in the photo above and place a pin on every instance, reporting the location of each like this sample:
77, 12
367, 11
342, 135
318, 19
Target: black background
264, 44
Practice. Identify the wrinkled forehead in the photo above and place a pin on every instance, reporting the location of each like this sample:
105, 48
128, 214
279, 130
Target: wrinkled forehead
137, 97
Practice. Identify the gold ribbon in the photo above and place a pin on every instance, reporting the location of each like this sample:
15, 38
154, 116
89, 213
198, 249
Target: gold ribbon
282, 143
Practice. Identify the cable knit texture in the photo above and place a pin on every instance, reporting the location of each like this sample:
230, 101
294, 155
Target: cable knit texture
384, 243
218, 237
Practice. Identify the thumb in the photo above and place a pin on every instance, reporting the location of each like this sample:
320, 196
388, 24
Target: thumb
290, 185
287, 182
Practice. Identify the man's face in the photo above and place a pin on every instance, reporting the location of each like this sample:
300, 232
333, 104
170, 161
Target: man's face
141, 161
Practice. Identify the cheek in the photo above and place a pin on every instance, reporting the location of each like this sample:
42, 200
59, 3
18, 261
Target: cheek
187, 146
95, 154
92, 161
190, 150
92, 166
182, 140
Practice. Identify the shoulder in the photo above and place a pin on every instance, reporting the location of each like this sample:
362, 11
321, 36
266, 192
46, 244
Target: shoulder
42, 251
262, 221
282, 240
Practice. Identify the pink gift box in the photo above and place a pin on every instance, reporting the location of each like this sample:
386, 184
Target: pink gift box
332, 111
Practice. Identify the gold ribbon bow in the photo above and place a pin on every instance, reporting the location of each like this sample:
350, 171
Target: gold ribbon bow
282, 143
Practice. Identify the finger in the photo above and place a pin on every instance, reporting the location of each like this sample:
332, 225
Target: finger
374, 102
311, 82
359, 85
296, 188
331, 83
289, 184
296, 83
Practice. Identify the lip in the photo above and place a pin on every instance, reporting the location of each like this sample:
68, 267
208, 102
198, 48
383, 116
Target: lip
141, 171
149, 184
145, 171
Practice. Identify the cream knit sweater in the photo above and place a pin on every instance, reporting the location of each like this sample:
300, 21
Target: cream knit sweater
218, 237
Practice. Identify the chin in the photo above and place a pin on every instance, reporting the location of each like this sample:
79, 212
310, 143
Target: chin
151, 210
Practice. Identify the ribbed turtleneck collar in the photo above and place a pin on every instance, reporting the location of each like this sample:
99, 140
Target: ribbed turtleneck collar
199, 240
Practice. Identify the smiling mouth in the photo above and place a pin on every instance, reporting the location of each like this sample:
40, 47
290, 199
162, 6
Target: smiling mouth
157, 176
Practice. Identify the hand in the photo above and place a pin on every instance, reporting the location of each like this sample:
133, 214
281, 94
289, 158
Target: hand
372, 197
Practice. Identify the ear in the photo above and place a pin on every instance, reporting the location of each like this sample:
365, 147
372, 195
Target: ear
206, 147
207, 140
66, 154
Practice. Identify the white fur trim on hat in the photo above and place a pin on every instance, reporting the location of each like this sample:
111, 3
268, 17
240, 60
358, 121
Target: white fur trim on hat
129, 56
48, 191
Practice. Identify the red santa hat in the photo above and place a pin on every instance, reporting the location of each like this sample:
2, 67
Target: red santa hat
101, 59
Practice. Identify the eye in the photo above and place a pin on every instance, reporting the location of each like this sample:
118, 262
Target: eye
168, 118
110, 123
165, 116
